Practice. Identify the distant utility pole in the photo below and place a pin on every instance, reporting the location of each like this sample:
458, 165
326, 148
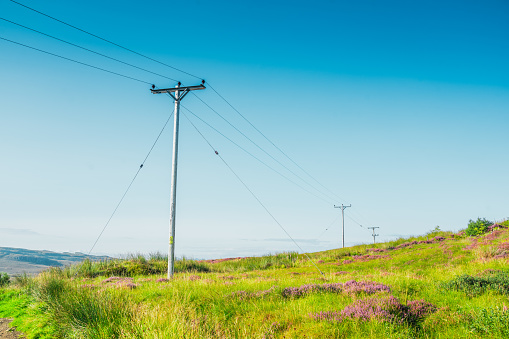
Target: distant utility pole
178, 93
343, 215
374, 235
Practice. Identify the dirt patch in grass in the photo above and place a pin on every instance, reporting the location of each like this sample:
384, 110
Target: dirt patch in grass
7, 332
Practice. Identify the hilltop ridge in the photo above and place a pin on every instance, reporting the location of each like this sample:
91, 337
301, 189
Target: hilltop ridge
17, 261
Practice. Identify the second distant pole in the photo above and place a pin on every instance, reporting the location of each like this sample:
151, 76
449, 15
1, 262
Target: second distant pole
343, 216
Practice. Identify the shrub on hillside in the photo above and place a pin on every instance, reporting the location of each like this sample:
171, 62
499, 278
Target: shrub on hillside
478, 227
497, 281
4, 279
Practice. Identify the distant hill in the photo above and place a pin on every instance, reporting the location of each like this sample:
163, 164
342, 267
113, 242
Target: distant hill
16, 261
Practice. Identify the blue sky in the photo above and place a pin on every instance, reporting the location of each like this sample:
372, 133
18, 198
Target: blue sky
400, 108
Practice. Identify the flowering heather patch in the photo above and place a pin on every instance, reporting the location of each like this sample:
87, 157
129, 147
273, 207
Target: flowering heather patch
376, 250
350, 287
504, 246
341, 273
494, 226
368, 257
127, 285
263, 293
161, 280
368, 287
295, 292
493, 235
415, 242
473, 244
227, 277
90, 286
111, 279
385, 309
194, 277
348, 261
406, 244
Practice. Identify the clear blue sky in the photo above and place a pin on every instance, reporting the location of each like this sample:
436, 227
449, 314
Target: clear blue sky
400, 108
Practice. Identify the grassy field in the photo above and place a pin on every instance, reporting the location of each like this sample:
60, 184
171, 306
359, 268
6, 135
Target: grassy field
441, 285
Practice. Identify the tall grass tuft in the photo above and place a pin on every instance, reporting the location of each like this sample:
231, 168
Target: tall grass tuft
83, 312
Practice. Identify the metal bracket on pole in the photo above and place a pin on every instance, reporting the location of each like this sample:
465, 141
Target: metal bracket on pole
180, 96
178, 93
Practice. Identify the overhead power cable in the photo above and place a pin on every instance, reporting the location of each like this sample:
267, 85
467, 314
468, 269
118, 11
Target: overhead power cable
103, 39
255, 157
254, 195
264, 151
131, 183
159, 62
270, 141
184, 72
87, 49
326, 229
76, 61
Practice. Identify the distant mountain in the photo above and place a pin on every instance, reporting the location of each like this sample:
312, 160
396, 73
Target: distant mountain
16, 261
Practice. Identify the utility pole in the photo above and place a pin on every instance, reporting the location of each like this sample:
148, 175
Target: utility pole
374, 235
343, 215
178, 93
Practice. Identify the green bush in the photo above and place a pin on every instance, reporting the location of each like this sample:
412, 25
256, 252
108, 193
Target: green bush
478, 227
4, 279
497, 281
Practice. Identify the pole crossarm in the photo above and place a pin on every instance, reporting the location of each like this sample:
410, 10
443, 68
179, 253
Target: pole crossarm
182, 90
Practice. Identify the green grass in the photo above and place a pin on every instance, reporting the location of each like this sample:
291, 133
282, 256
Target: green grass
29, 315
465, 279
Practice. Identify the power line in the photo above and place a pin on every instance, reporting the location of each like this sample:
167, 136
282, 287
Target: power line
252, 193
167, 65
182, 71
78, 62
270, 141
255, 157
87, 49
131, 183
103, 39
264, 151
337, 217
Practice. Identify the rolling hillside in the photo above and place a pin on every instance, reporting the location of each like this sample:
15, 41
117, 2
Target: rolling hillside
16, 261
439, 285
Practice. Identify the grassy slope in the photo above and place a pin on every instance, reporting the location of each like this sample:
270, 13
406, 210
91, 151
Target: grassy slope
204, 300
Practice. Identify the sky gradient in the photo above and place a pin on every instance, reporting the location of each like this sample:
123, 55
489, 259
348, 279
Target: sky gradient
400, 108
